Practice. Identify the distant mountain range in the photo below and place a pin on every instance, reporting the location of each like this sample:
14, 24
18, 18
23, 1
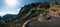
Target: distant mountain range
9, 16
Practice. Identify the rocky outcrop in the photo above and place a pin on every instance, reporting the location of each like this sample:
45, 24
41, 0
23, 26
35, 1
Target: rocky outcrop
31, 10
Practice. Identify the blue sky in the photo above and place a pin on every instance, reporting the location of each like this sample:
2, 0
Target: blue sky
13, 6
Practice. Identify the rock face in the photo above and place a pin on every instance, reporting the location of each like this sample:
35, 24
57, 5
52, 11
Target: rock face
54, 10
32, 10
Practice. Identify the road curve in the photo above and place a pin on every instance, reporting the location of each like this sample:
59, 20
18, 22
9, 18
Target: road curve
25, 23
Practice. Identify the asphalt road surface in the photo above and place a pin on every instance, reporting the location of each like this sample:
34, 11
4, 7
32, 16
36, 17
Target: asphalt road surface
52, 22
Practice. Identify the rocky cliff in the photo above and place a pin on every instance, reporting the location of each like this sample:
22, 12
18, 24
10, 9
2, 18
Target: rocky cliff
31, 10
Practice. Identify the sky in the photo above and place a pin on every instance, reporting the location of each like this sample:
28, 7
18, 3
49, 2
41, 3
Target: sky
13, 6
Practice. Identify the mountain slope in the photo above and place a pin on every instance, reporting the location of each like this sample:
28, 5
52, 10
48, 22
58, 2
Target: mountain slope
29, 11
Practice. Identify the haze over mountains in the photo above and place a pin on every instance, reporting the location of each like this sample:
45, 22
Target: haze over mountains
9, 16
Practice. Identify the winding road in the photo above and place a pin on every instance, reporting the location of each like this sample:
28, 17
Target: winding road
53, 22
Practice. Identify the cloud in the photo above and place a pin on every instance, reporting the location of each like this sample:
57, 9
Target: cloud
2, 13
9, 11
11, 7
18, 9
11, 3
